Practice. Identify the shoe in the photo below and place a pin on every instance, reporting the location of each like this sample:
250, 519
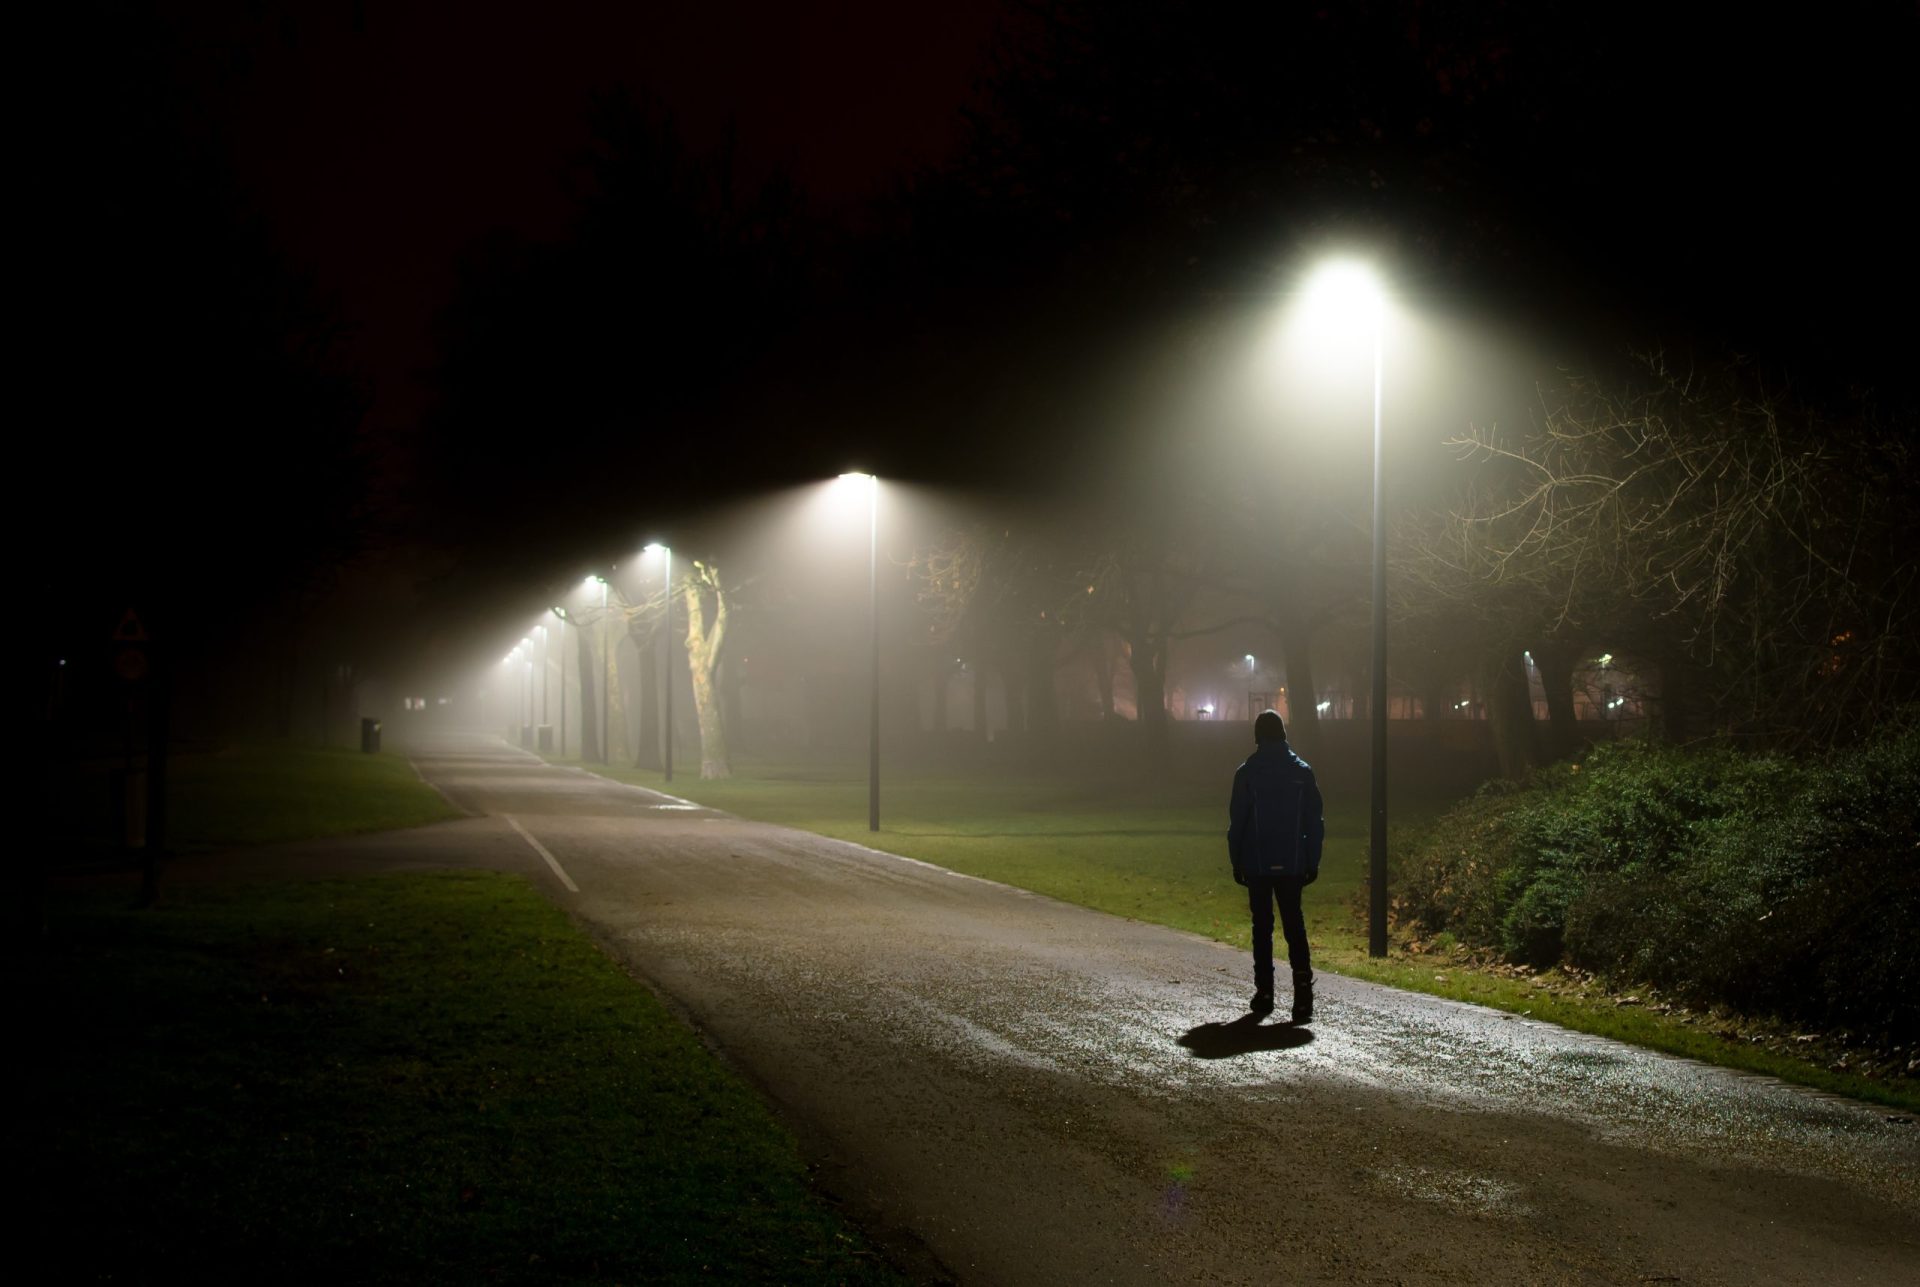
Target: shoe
1262, 1003
1302, 996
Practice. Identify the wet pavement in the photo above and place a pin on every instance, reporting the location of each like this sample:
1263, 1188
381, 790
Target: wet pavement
1009, 1089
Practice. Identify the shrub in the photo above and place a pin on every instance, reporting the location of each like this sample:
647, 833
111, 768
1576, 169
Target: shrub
1771, 883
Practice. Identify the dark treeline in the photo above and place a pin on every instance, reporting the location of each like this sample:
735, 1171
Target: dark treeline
199, 447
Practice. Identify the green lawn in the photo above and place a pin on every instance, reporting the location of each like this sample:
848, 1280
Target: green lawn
1159, 854
1153, 854
391, 1079
258, 794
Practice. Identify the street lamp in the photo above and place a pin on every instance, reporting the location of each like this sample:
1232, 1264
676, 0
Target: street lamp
1346, 294
666, 696
873, 610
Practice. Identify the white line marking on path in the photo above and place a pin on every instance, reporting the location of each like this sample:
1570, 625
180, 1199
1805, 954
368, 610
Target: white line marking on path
541, 849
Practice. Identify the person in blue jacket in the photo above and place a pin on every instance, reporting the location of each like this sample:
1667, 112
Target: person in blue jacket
1274, 842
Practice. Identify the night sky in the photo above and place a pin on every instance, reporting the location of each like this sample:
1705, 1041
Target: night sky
1598, 174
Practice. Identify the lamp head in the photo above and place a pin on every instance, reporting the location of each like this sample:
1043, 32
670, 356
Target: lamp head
1344, 293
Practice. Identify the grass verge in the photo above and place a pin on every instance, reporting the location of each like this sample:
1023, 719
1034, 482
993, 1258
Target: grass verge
1159, 855
391, 1079
251, 795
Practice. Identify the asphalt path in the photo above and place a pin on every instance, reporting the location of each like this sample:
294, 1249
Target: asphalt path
1009, 1089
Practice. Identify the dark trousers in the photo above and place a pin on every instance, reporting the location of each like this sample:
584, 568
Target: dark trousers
1262, 895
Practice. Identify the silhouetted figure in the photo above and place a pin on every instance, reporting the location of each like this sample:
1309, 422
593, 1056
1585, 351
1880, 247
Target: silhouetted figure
1274, 842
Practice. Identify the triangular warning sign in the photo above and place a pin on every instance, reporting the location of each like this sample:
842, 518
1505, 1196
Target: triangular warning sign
130, 630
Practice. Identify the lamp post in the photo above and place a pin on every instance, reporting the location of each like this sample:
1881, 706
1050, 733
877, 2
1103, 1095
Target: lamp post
1348, 291
666, 694
873, 613
1377, 873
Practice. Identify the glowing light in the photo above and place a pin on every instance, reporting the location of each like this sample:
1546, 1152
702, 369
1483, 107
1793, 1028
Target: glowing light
1344, 294
653, 547
1324, 707
1604, 660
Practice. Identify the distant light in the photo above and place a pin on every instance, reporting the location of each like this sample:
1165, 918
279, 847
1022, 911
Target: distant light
1605, 659
856, 478
1324, 707
653, 547
63, 661
1206, 710
1249, 659
441, 701
1529, 656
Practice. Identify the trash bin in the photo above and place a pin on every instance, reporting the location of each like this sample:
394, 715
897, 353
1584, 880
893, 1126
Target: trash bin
370, 736
546, 738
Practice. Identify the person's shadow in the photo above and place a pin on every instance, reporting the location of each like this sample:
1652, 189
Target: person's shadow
1243, 1036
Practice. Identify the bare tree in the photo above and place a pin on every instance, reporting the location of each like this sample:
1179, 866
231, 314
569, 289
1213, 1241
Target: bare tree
998, 594
1750, 545
708, 603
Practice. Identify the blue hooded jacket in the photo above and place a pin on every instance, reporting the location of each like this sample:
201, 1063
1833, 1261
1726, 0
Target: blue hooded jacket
1276, 827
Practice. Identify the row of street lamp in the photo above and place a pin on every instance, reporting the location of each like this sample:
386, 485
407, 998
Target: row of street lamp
1341, 295
871, 485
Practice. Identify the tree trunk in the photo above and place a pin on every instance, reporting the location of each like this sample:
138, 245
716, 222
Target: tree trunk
979, 674
1675, 718
1554, 661
1303, 710
731, 701
713, 725
1043, 715
647, 749
1510, 712
706, 645
618, 724
589, 706
1150, 689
